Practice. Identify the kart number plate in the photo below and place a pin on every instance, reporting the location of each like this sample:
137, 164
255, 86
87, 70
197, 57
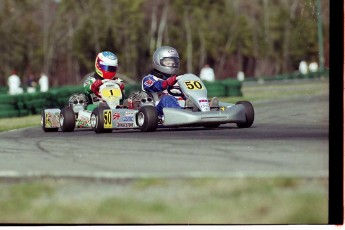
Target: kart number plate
193, 85
108, 93
107, 119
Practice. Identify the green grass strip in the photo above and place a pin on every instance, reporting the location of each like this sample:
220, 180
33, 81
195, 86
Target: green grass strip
166, 201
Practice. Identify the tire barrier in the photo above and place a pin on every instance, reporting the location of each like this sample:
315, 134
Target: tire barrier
3, 90
292, 76
233, 88
224, 88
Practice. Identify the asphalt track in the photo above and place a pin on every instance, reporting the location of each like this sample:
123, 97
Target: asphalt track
288, 137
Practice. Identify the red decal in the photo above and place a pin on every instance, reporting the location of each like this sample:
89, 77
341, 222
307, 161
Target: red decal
116, 116
149, 82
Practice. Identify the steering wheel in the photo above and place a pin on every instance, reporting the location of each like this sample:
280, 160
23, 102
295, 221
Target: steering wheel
180, 94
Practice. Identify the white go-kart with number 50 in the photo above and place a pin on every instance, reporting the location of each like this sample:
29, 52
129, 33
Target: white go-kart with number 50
198, 110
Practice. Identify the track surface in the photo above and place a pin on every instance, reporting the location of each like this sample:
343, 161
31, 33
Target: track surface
288, 137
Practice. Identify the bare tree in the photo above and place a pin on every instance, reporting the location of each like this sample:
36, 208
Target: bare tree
153, 30
189, 41
162, 24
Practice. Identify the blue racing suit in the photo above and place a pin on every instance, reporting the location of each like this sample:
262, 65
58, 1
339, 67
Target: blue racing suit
157, 87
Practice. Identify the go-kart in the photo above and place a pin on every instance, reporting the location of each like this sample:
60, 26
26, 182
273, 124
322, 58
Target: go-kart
138, 110
109, 114
199, 111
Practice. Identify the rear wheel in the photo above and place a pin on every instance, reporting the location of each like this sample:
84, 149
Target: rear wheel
97, 121
67, 119
249, 112
147, 118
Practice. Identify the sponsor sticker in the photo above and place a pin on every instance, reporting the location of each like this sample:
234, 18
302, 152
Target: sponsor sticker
148, 82
116, 116
128, 118
82, 123
124, 125
52, 120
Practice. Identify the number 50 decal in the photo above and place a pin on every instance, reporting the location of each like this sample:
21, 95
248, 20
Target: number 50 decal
107, 119
193, 85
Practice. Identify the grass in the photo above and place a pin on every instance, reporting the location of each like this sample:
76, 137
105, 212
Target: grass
162, 201
265, 92
19, 122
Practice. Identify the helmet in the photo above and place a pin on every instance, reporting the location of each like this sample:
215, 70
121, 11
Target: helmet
166, 60
106, 65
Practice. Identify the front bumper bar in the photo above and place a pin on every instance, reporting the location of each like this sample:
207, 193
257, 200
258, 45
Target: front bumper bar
181, 117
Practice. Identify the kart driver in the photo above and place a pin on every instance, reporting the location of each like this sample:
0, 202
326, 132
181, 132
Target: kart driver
106, 64
166, 64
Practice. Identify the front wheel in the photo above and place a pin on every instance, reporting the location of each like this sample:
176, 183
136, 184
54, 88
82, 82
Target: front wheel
249, 113
67, 119
97, 121
147, 118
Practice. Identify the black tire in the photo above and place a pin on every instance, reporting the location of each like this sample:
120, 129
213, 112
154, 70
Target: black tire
67, 119
249, 111
43, 121
147, 118
97, 121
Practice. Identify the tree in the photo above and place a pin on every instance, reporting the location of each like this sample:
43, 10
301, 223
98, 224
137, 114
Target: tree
62, 38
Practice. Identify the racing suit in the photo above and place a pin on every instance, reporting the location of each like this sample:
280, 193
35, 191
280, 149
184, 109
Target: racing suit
157, 87
92, 92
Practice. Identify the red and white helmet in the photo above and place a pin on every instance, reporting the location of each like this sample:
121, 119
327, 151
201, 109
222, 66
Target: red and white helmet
106, 65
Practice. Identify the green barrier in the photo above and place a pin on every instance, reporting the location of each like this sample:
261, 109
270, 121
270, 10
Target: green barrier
9, 113
132, 88
5, 107
3, 89
233, 88
8, 106
21, 104
224, 88
75, 89
7, 99
295, 75
62, 101
215, 89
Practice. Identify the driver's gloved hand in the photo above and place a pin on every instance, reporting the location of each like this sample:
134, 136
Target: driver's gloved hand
95, 86
171, 81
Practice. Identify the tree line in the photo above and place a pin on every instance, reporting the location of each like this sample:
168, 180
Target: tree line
62, 37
